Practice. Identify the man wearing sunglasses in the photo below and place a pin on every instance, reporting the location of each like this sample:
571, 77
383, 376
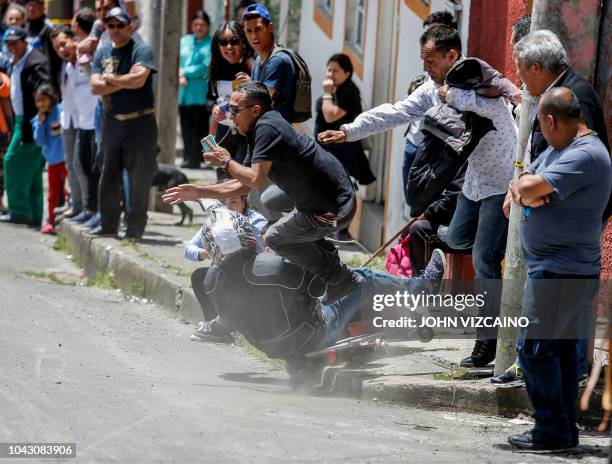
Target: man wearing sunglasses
314, 181
122, 75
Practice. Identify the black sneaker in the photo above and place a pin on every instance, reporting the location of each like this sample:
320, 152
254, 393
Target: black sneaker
525, 441
512, 374
343, 288
482, 354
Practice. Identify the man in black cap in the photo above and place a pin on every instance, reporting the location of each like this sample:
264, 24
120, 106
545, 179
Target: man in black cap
122, 74
23, 162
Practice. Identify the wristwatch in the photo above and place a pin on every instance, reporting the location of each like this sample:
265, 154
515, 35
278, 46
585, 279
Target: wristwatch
225, 163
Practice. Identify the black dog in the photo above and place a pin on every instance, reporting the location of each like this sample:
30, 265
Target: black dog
168, 176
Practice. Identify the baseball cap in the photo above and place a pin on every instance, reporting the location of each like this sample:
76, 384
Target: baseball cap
256, 10
14, 33
118, 14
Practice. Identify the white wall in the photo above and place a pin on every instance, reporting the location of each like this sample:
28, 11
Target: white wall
409, 66
316, 47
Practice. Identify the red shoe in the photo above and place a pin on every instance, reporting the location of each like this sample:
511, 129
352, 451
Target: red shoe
48, 229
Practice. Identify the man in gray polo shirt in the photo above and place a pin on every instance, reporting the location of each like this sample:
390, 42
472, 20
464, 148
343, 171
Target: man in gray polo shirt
563, 194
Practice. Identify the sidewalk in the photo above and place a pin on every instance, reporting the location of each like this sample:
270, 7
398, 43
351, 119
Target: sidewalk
410, 373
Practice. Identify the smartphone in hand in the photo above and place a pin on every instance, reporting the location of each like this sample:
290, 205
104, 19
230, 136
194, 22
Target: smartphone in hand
208, 143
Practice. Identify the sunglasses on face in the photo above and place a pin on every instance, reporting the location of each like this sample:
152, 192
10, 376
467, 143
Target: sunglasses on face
234, 41
115, 26
234, 110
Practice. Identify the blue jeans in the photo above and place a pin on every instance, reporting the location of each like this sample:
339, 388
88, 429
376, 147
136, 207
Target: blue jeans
551, 366
583, 366
337, 315
482, 226
98, 120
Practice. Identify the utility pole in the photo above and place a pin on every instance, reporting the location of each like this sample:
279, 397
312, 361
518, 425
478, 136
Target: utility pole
151, 25
283, 22
576, 22
515, 270
167, 81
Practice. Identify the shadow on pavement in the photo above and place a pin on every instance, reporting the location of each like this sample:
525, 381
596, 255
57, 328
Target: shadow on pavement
252, 377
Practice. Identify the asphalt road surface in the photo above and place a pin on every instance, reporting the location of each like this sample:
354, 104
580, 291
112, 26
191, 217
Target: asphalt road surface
123, 381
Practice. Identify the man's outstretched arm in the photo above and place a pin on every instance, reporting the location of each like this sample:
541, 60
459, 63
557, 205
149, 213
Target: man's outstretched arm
386, 116
190, 192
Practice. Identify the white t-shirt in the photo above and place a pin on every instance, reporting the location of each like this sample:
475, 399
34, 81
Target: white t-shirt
79, 103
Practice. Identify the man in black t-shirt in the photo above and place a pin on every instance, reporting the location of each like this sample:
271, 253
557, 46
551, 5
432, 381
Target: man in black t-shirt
313, 179
122, 74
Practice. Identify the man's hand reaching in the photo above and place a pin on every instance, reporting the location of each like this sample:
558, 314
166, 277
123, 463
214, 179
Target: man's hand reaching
184, 192
332, 136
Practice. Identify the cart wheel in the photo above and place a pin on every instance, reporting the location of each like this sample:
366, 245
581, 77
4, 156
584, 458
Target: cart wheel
425, 334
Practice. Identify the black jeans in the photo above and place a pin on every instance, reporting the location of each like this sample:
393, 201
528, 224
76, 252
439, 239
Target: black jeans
423, 240
87, 156
210, 314
300, 238
130, 145
194, 126
559, 311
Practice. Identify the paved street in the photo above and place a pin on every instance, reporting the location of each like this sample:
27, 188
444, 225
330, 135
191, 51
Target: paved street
123, 381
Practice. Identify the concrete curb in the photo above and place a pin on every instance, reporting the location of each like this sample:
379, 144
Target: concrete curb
133, 274
465, 395
146, 279
478, 396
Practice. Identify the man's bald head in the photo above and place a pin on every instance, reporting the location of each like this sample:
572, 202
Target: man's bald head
559, 116
562, 104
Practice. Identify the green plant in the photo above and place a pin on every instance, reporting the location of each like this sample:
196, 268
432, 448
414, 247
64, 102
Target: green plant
54, 278
179, 271
137, 289
274, 364
61, 245
455, 373
357, 260
101, 280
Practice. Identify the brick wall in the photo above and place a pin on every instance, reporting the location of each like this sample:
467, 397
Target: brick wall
490, 31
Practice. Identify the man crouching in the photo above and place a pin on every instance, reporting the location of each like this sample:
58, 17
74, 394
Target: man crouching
273, 303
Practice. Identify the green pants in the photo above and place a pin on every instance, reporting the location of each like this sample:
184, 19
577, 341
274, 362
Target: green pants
23, 168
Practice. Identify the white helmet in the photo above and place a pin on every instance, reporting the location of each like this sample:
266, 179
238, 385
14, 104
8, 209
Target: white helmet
224, 231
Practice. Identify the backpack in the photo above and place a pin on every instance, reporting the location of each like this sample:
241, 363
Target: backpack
397, 262
302, 105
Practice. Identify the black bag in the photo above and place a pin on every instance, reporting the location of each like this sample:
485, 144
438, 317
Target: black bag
435, 166
436, 162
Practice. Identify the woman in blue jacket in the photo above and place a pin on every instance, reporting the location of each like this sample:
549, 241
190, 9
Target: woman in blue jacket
193, 87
